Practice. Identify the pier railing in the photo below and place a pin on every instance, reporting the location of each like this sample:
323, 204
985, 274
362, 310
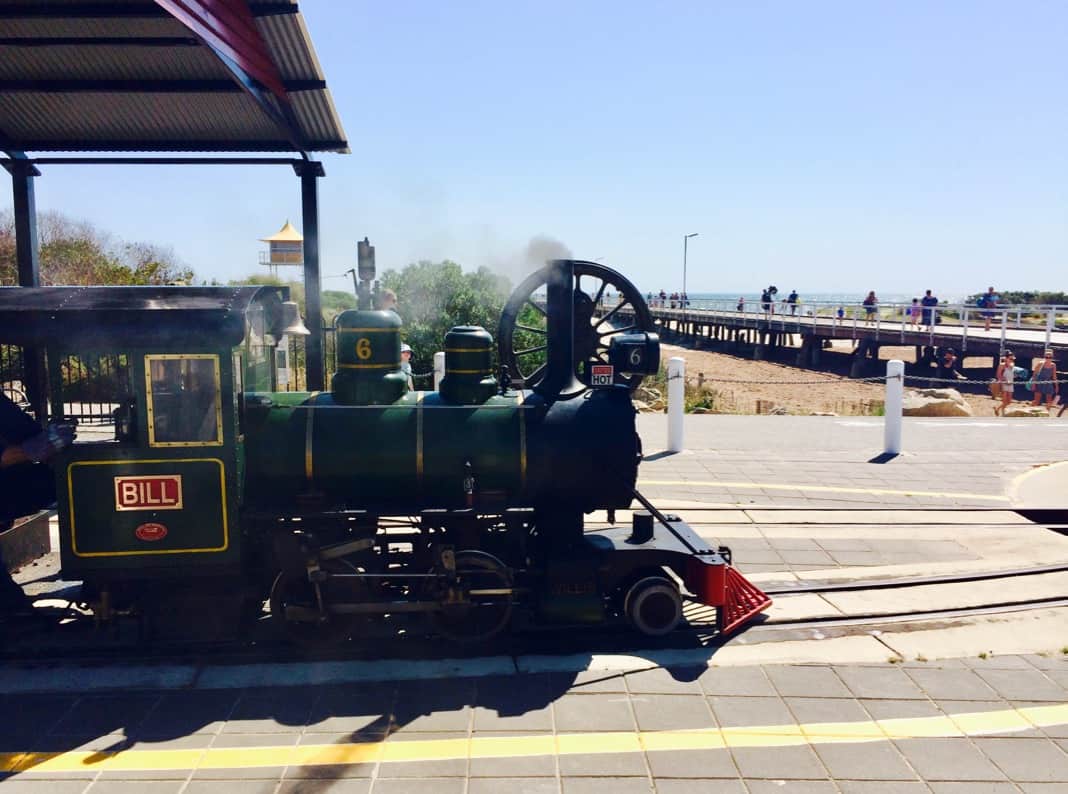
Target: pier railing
888, 318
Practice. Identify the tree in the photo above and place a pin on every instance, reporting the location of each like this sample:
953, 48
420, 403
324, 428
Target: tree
333, 301
1032, 297
432, 297
75, 252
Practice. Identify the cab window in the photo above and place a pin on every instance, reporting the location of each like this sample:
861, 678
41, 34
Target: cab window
184, 400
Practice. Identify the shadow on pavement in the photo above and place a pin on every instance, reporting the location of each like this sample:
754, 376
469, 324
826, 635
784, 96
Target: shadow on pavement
333, 714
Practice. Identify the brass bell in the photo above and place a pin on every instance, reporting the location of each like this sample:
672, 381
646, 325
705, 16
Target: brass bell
291, 322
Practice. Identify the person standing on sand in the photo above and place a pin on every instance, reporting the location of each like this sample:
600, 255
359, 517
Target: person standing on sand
1006, 380
947, 366
1044, 380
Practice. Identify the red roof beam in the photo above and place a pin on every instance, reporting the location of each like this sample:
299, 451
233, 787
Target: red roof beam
228, 28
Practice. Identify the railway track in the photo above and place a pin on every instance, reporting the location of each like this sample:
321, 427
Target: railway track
75, 643
958, 600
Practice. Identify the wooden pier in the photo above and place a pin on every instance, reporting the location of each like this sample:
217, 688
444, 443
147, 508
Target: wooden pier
765, 335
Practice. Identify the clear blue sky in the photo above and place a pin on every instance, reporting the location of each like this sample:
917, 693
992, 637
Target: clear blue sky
827, 146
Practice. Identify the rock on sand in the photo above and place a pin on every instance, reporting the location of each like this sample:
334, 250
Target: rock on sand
935, 402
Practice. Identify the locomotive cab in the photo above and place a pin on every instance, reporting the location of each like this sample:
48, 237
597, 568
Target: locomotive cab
150, 491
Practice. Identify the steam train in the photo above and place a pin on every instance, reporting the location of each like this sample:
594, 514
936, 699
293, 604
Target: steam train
369, 503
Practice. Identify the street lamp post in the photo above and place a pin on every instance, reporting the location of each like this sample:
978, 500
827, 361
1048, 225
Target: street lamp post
685, 246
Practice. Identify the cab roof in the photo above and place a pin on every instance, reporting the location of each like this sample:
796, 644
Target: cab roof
117, 318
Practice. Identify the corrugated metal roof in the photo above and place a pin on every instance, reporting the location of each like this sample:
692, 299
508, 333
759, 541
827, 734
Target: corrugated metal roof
114, 94
109, 120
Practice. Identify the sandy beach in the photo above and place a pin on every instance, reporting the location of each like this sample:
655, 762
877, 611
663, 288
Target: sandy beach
798, 391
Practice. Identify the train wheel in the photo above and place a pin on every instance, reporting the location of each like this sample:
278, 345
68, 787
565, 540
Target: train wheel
295, 605
653, 606
522, 333
487, 611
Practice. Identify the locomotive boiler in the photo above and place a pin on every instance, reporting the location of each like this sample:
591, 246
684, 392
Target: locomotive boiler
370, 505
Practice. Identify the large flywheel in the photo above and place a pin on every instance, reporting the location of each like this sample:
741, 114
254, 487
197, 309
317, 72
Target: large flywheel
606, 304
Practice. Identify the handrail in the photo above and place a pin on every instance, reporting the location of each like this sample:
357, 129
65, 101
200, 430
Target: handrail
887, 318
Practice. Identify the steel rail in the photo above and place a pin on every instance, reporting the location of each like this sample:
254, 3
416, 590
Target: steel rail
916, 581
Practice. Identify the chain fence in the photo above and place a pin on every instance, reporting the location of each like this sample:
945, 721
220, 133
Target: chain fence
713, 393
843, 379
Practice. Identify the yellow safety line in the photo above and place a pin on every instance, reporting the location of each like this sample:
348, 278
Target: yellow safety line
778, 486
394, 751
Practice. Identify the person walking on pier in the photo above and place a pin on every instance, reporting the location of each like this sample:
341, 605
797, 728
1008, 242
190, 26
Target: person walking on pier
1006, 382
792, 301
741, 304
929, 301
1044, 380
871, 305
988, 301
913, 312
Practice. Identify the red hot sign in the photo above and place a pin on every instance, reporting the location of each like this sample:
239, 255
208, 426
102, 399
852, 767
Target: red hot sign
149, 492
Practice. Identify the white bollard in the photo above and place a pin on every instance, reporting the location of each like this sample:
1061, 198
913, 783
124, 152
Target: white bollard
676, 373
439, 368
895, 397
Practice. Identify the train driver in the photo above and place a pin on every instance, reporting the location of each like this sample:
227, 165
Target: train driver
27, 484
406, 364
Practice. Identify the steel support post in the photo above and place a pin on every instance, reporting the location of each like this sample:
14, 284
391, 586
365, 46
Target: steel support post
29, 274
313, 342
25, 207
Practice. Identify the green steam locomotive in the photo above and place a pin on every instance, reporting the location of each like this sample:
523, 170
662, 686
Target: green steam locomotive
370, 504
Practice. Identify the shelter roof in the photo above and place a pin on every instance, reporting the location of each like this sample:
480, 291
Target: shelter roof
169, 75
287, 234
113, 318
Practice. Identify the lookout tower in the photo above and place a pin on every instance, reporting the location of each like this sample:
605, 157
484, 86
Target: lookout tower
284, 247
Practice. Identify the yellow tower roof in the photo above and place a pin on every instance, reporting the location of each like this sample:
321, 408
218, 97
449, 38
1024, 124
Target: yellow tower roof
287, 234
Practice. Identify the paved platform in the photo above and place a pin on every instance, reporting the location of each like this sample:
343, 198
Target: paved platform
972, 725
939, 706
836, 461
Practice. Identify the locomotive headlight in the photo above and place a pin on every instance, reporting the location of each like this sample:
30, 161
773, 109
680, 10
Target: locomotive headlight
635, 354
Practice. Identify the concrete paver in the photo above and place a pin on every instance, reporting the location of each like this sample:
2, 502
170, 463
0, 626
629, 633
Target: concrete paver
842, 728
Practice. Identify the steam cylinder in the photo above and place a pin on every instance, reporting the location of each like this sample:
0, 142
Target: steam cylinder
468, 365
580, 453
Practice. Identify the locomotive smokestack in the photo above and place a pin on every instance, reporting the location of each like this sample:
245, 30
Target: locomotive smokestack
560, 308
